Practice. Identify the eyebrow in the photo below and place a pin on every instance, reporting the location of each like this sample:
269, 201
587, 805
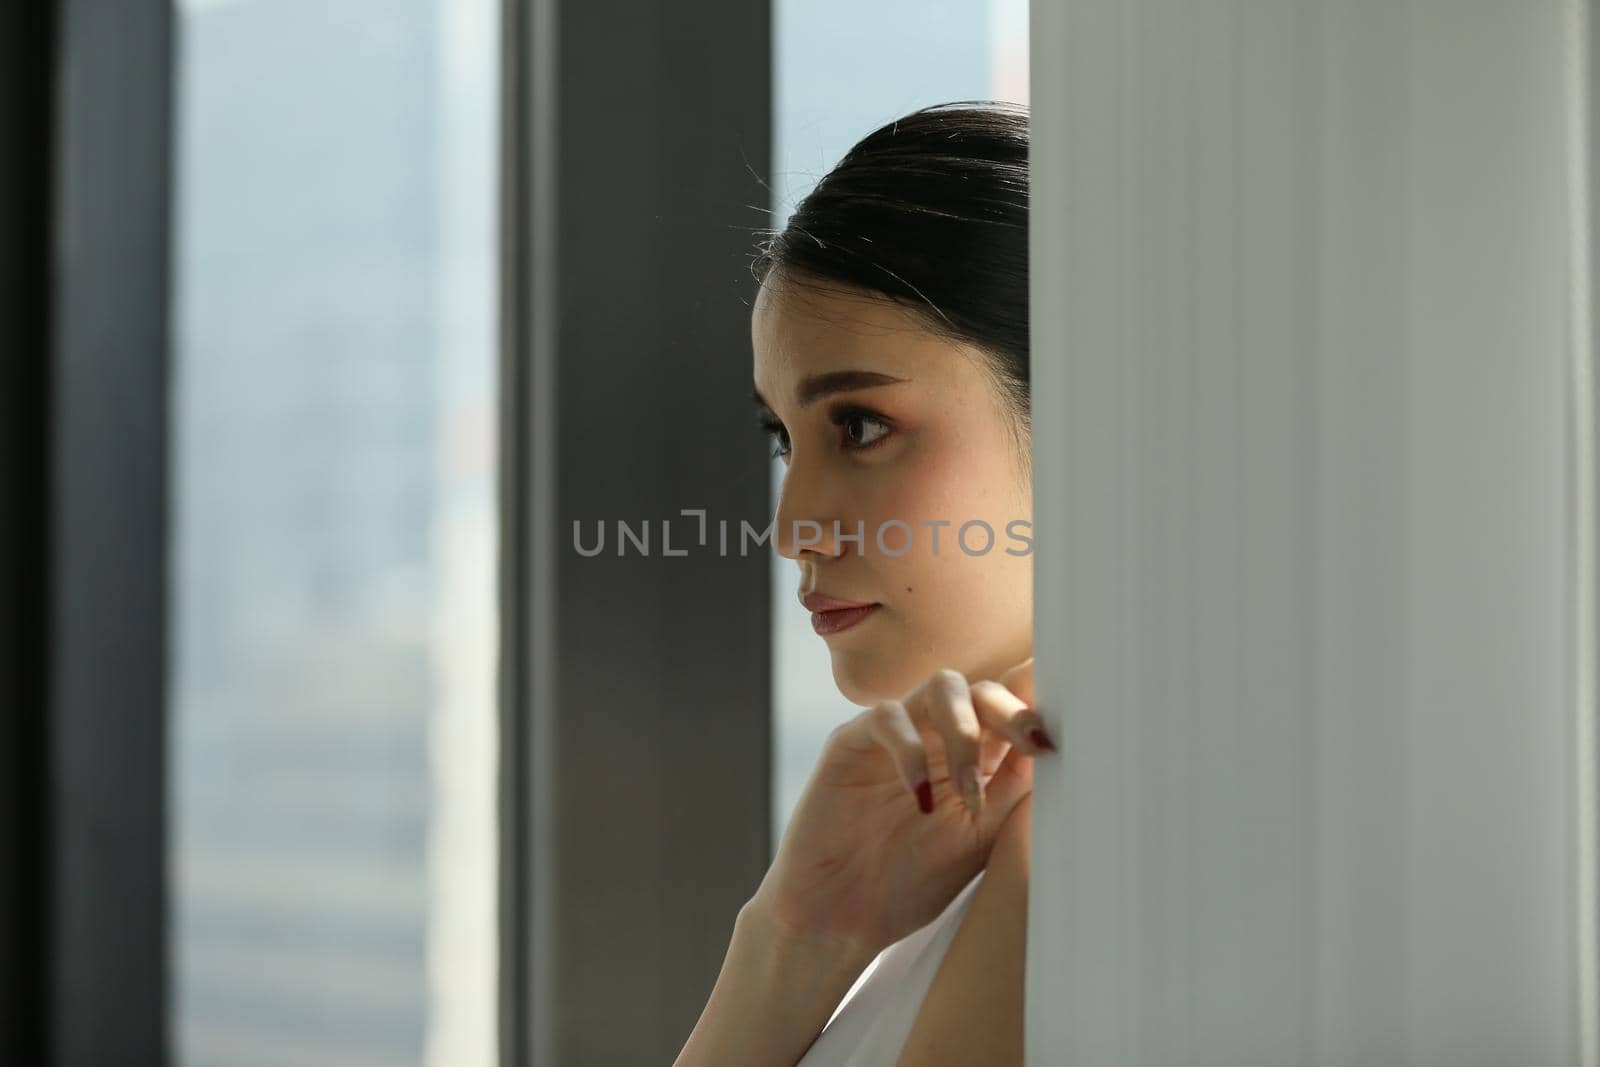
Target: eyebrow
818, 386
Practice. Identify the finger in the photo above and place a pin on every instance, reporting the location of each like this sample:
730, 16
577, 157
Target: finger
946, 704
1003, 711
991, 750
890, 725
1019, 680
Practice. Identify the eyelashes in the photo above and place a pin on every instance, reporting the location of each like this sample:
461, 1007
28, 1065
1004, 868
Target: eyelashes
847, 417
862, 429
776, 433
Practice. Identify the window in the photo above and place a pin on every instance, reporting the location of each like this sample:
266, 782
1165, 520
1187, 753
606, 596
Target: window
332, 797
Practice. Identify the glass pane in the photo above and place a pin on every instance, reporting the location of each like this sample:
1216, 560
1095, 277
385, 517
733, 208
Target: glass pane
334, 516
843, 69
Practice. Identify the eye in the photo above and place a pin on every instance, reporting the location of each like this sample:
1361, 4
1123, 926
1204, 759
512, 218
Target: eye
862, 428
779, 436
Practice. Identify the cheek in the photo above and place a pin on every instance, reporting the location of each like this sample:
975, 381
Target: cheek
948, 609
970, 477
955, 484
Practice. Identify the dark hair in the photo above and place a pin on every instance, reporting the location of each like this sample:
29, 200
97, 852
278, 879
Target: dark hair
930, 210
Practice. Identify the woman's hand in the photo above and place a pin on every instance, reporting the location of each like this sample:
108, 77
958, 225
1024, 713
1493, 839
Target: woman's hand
861, 863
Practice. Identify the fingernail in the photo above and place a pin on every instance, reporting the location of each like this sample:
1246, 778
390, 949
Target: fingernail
1037, 736
971, 791
925, 796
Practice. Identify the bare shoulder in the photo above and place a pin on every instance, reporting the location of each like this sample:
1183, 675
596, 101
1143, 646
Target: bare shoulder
973, 1010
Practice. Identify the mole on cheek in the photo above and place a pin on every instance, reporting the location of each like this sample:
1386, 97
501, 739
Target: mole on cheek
908, 589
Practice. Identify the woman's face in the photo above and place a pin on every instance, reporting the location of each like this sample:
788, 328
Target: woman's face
890, 430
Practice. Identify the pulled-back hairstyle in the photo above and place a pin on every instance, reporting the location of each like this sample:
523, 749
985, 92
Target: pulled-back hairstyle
930, 210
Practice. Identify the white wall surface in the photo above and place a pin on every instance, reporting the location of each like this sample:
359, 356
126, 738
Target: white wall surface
1314, 513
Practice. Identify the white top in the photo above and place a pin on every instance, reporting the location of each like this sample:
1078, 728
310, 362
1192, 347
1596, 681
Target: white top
870, 1026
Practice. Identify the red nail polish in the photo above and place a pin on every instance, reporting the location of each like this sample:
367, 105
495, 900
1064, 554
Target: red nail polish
1038, 737
925, 796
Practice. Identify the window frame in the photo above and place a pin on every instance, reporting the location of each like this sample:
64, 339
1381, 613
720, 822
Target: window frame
83, 668
636, 755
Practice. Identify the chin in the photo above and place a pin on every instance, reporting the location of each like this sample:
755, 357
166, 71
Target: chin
868, 680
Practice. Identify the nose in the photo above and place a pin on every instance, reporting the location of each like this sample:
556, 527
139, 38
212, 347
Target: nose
805, 519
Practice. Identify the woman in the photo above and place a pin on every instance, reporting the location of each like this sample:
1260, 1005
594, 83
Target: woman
890, 338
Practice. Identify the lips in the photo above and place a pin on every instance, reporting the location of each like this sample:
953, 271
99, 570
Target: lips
821, 602
830, 615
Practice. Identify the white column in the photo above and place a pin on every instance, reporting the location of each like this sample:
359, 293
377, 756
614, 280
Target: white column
1314, 508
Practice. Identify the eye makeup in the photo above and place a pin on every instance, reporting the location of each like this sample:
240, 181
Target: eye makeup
873, 430
846, 415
